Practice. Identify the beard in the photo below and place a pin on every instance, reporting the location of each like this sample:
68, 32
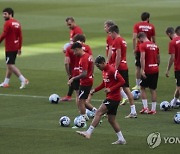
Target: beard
6, 18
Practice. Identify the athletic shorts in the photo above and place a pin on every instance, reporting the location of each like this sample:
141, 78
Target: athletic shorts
84, 92
137, 59
75, 84
177, 77
11, 57
125, 76
150, 81
111, 106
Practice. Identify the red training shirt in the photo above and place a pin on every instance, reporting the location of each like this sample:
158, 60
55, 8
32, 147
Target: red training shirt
174, 48
145, 27
74, 31
113, 80
86, 64
151, 51
120, 43
74, 60
12, 35
109, 42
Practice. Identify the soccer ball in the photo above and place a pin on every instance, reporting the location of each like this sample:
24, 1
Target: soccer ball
54, 98
79, 121
90, 114
177, 104
177, 118
164, 105
64, 121
65, 47
136, 94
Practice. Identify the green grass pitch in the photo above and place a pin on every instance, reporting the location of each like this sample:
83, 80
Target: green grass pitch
29, 123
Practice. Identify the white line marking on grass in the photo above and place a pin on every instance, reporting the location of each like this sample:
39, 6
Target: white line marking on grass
30, 96
46, 97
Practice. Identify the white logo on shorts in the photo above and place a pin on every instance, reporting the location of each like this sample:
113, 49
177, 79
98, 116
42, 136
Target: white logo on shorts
107, 103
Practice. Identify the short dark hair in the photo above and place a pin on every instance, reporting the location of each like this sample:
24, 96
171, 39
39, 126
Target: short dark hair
145, 16
79, 37
76, 45
109, 23
170, 30
114, 28
141, 35
9, 11
177, 30
99, 60
70, 18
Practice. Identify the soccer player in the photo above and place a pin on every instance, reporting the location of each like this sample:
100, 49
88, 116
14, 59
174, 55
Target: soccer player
85, 76
150, 60
74, 30
174, 51
110, 55
13, 42
149, 29
73, 70
112, 81
119, 48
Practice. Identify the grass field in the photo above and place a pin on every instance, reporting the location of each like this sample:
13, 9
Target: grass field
29, 123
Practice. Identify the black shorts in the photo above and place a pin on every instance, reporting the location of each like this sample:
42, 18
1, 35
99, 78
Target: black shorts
111, 106
177, 77
137, 59
150, 81
11, 57
84, 92
125, 76
75, 84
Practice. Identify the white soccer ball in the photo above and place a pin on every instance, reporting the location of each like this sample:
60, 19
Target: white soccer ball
90, 114
54, 98
165, 105
177, 118
79, 121
64, 121
177, 105
136, 94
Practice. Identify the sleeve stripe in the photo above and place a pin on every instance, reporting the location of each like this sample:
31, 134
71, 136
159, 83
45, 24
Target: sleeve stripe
115, 74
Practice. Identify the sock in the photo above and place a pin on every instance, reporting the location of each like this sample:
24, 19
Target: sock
144, 101
6, 81
138, 82
174, 101
153, 106
123, 94
120, 136
22, 78
90, 129
133, 109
